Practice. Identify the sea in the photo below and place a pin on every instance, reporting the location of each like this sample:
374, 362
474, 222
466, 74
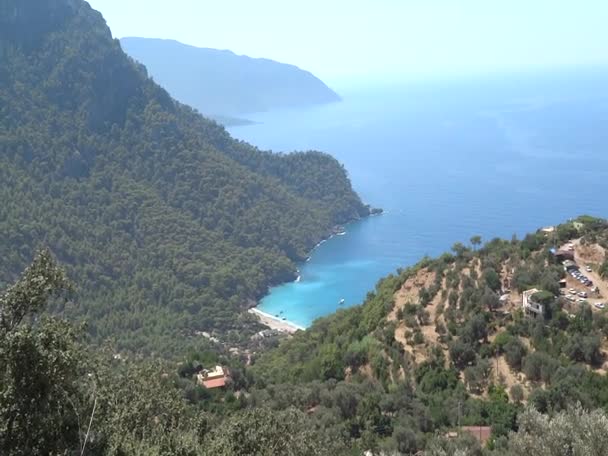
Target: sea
493, 155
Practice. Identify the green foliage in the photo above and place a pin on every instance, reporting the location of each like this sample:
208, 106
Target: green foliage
584, 349
539, 366
517, 393
56, 397
566, 232
570, 432
476, 241
543, 297
514, 351
432, 378
287, 433
462, 353
492, 279
359, 351
38, 367
55, 394
476, 376
501, 339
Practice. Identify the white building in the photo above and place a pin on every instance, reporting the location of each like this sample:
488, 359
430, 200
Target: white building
530, 306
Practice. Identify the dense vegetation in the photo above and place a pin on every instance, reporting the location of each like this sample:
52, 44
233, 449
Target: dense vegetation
167, 224
57, 396
336, 389
220, 82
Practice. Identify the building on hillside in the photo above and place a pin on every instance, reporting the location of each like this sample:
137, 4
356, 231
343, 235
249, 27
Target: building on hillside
570, 265
216, 378
530, 305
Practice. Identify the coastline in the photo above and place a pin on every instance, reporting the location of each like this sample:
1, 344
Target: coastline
275, 322
285, 325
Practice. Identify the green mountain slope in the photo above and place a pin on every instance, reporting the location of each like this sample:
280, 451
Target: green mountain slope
348, 386
447, 343
223, 83
168, 225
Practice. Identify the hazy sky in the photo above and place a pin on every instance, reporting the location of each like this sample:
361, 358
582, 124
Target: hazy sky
336, 38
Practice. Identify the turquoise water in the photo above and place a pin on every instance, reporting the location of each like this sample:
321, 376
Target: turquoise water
446, 161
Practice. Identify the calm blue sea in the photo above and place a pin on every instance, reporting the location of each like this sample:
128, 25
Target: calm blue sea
445, 160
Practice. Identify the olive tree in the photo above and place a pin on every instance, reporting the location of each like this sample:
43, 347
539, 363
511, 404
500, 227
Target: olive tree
571, 432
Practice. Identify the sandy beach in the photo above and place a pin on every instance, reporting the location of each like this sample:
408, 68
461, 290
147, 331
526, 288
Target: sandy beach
275, 322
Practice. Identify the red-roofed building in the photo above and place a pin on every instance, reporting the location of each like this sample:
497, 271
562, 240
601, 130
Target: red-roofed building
215, 383
216, 378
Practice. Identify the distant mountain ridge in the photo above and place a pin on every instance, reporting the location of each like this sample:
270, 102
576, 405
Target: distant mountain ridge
222, 83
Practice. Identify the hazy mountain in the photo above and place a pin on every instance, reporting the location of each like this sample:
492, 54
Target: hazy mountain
222, 83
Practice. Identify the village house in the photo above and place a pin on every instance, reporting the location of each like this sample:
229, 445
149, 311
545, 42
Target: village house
530, 305
216, 378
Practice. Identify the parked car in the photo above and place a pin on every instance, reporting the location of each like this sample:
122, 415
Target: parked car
600, 305
588, 268
582, 294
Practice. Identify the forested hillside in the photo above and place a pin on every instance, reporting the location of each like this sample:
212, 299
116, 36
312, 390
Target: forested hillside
167, 224
222, 83
447, 343
350, 385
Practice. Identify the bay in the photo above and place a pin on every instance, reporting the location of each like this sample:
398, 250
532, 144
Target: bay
446, 160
